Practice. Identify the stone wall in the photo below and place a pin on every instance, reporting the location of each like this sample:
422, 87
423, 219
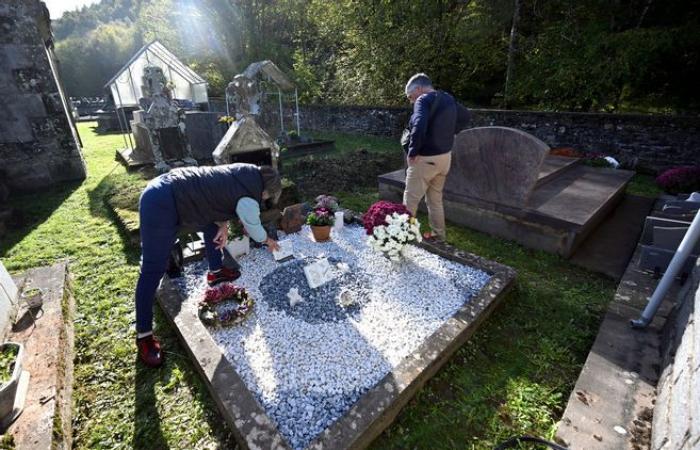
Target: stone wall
676, 423
38, 142
645, 143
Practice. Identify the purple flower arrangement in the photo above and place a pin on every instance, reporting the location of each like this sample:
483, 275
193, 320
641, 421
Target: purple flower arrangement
376, 214
680, 180
320, 217
323, 213
326, 202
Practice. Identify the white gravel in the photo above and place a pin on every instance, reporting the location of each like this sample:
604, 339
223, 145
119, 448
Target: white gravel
307, 373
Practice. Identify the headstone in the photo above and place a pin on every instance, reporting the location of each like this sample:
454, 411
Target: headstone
496, 164
243, 137
9, 294
293, 217
204, 132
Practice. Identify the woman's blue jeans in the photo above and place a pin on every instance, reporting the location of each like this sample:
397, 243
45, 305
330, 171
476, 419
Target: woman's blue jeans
159, 224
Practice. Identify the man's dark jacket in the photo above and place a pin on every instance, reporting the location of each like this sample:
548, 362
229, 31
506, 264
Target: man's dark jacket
433, 134
210, 194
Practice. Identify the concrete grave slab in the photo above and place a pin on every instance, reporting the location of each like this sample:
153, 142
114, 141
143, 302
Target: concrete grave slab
503, 182
237, 390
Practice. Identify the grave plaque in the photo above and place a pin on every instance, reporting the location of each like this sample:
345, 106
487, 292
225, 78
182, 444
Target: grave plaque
318, 273
286, 251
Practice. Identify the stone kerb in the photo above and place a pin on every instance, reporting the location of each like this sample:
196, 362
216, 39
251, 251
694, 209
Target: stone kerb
496, 164
377, 408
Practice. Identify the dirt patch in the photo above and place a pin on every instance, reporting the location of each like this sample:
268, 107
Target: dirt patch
352, 172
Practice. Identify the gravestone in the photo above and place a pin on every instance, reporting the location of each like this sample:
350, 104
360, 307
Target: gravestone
505, 183
9, 294
496, 164
246, 141
204, 132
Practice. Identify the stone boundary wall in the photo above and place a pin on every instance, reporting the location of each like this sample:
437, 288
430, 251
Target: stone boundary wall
676, 423
645, 143
38, 142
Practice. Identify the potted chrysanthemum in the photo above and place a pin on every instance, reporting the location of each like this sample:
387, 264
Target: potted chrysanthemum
322, 217
11, 355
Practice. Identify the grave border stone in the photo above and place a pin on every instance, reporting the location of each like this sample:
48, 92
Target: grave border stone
378, 407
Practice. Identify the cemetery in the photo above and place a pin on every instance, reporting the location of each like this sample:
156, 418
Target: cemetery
558, 310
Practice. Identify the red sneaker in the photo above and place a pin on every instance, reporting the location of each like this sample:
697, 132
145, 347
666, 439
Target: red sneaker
149, 351
225, 274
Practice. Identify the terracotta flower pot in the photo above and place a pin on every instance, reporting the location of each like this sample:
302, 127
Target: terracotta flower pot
321, 233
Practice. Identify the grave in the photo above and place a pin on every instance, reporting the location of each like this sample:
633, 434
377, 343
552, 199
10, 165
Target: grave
504, 182
331, 367
163, 89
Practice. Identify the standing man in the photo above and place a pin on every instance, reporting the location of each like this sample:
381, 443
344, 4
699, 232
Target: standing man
196, 198
435, 120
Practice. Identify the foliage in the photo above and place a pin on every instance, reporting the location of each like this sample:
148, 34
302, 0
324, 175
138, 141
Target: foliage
644, 186
8, 356
680, 180
589, 55
320, 217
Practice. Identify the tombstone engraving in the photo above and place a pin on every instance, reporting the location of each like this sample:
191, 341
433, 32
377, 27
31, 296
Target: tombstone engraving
496, 164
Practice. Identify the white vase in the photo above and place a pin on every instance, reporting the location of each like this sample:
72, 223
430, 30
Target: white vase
239, 246
339, 221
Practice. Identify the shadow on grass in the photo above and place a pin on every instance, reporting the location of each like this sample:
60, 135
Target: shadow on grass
31, 210
124, 189
147, 430
153, 385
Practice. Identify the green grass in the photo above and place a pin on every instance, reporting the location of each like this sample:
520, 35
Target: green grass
514, 376
644, 186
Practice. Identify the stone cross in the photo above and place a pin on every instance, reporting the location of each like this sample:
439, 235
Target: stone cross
496, 164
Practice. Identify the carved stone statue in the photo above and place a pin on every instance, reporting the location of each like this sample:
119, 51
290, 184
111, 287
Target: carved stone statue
244, 93
160, 111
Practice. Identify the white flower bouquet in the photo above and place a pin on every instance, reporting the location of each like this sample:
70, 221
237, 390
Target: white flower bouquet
392, 238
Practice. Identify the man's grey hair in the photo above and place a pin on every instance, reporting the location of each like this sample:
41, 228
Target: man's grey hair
418, 80
272, 183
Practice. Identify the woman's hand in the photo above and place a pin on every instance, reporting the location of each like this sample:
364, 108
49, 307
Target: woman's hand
221, 237
272, 244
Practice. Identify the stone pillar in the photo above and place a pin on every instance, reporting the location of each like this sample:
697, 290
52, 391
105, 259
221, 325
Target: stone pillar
39, 144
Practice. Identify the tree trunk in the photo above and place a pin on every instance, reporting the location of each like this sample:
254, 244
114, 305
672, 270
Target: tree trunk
644, 13
511, 53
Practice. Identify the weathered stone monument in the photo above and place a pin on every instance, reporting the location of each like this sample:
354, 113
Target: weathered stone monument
39, 145
504, 182
159, 126
246, 141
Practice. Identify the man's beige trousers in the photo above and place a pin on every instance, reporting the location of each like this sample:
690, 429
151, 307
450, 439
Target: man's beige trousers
427, 177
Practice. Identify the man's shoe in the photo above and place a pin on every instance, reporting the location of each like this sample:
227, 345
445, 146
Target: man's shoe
225, 274
149, 351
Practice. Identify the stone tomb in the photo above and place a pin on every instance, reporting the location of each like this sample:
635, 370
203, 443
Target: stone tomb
331, 367
504, 182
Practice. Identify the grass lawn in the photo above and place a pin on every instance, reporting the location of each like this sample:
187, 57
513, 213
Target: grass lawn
513, 377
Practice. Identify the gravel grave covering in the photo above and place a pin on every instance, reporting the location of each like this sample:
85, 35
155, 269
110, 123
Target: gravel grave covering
308, 364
